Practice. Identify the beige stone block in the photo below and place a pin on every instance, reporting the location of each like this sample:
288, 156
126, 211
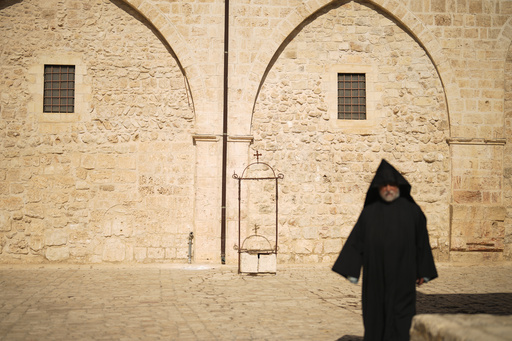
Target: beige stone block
496, 213
120, 176
170, 253
82, 185
81, 173
463, 212
121, 225
4, 188
467, 196
458, 243
129, 252
5, 221
114, 250
475, 6
88, 162
55, 237
140, 253
249, 262
56, 254
18, 225
101, 176
11, 203
304, 246
267, 263
56, 222
156, 253
182, 253
104, 161
126, 162
485, 105
475, 257
36, 243
332, 246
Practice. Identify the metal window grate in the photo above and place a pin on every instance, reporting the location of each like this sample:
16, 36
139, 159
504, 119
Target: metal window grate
59, 88
351, 96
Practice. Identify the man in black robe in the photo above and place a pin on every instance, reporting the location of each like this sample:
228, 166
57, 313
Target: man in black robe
390, 242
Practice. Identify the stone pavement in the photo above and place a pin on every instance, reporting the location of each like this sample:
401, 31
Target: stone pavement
205, 302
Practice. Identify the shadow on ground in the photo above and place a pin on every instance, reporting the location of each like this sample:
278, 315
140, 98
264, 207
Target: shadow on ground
494, 304
350, 338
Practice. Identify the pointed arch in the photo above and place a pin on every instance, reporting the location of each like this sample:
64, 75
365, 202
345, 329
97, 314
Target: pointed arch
176, 43
299, 17
504, 41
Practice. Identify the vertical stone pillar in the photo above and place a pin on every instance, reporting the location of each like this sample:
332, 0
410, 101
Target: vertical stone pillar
477, 211
207, 224
238, 158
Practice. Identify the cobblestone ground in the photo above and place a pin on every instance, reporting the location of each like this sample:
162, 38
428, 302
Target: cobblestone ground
192, 302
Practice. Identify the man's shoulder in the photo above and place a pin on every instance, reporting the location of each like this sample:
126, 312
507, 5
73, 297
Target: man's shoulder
408, 203
412, 207
401, 201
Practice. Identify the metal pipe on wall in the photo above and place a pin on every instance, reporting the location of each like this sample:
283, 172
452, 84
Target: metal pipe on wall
190, 238
224, 135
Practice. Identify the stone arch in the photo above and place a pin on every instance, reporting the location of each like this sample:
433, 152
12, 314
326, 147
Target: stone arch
505, 36
179, 47
504, 43
294, 22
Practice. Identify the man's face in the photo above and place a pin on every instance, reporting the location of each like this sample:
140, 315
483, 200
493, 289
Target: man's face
389, 192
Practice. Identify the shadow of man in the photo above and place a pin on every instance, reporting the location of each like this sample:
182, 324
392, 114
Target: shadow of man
490, 303
350, 338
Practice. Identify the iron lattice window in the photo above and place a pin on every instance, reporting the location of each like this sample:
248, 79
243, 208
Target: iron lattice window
351, 96
59, 88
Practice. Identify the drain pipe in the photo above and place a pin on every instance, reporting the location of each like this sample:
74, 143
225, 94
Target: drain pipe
224, 135
190, 237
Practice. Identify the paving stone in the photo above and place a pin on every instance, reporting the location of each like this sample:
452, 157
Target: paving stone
178, 302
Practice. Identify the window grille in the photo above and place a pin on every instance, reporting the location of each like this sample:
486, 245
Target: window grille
59, 89
351, 96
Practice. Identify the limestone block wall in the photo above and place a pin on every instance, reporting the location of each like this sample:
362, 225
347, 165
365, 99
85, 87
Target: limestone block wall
468, 43
507, 158
137, 166
329, 163
475, 38
113, 181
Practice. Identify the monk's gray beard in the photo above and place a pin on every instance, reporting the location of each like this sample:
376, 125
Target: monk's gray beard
389, 196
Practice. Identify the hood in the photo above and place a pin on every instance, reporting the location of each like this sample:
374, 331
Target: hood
387, 174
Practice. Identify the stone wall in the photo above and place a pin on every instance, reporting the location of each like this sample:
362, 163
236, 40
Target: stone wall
114, 181
138, 165
328, 164
507, 158
457, 327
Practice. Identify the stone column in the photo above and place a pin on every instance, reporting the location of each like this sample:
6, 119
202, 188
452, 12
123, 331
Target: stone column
238, 159
477, 211
207, 215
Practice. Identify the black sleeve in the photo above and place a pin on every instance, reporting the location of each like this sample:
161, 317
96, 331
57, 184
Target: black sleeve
350, 259
425, 265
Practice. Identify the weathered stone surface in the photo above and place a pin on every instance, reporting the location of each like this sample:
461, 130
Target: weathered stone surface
318, 160
5, 221
57, 253
128, 124
140, 158
56, 237
114, 250
461, 327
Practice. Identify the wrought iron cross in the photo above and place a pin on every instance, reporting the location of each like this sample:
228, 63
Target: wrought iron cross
258, 154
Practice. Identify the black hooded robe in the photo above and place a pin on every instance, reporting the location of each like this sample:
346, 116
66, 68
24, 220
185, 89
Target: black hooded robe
390, 242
